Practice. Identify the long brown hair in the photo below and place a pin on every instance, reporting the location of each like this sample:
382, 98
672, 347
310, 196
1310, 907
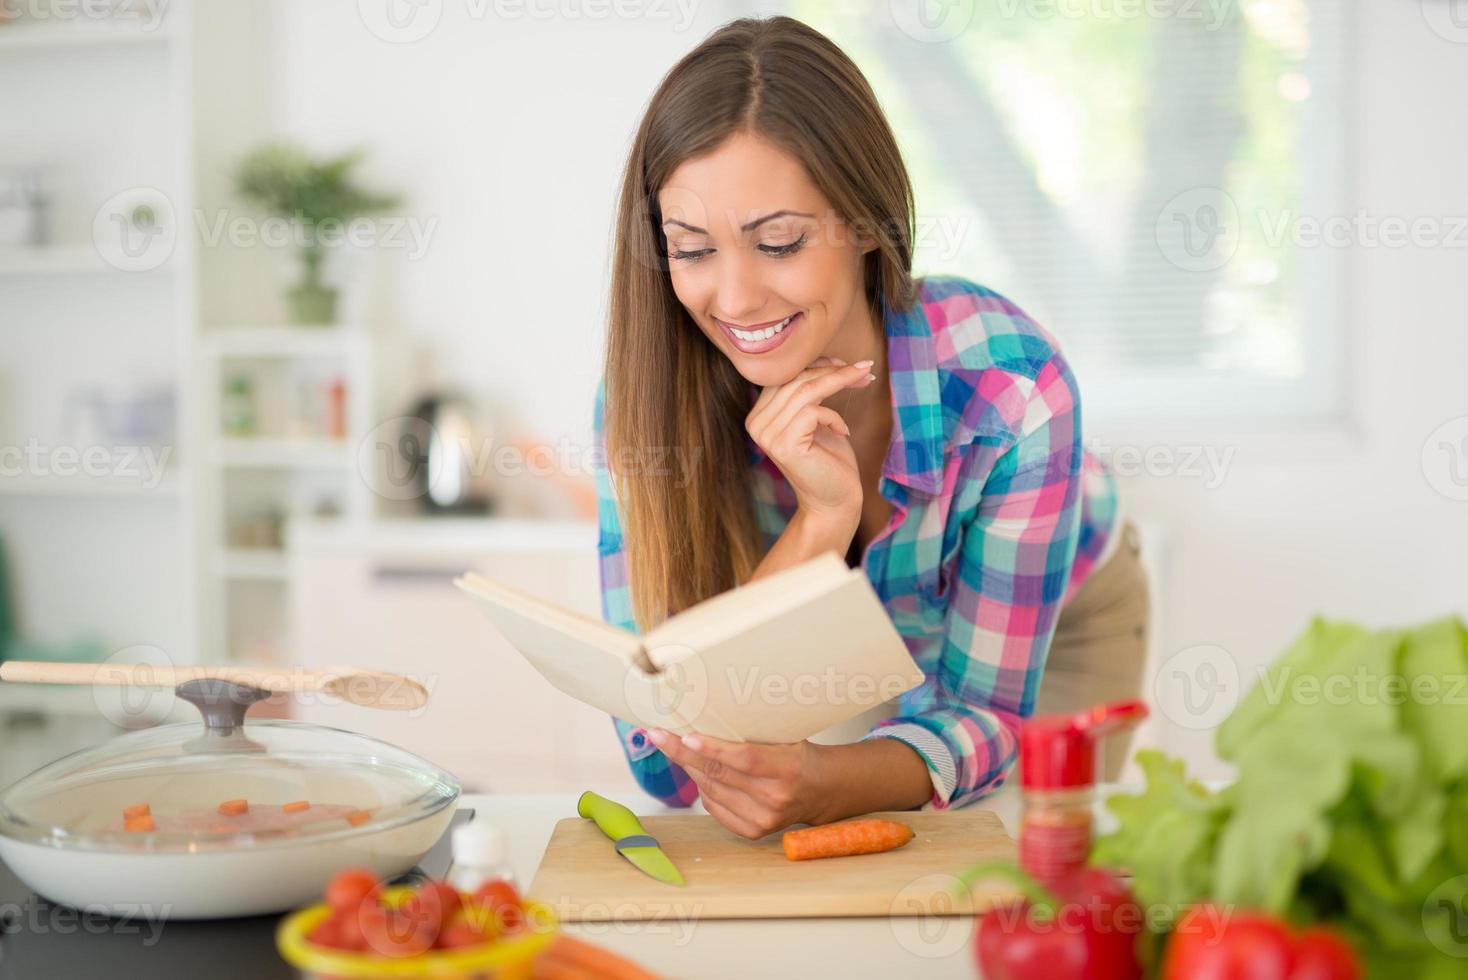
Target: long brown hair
674, 405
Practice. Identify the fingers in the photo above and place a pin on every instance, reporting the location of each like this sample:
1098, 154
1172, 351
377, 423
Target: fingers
802, 429
813, 391
700, 767
740, 825
771, 394
749, 788
773, 399
744, 757
749, 809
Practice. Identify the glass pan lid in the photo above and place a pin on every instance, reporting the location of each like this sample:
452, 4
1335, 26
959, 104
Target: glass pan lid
183, 787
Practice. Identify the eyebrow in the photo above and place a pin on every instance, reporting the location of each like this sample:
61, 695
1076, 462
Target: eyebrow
747, 227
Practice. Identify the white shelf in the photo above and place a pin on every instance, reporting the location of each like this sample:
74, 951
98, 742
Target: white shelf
71, 525
257, 564
46, 35
222, 342
282, 453
109, 487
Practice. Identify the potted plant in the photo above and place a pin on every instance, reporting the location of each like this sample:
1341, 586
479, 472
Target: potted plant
321, 197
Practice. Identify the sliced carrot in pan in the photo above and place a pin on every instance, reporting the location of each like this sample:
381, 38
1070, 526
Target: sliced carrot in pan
358, 818
847, 837
136, 810
141, 824
297, 806
233, 808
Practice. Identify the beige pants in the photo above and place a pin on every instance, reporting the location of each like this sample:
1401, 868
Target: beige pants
1100, 646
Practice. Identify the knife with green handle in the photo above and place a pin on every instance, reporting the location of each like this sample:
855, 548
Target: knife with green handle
631, 841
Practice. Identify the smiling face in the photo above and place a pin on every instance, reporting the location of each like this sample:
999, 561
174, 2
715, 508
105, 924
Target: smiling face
764, 266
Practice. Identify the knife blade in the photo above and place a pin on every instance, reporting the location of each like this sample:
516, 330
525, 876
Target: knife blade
632, 842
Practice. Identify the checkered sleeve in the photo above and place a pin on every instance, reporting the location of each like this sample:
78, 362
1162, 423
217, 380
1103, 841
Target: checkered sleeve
660, 777
1011, 571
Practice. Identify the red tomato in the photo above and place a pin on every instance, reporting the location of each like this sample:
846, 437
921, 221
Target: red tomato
392, 933
326, 933
349, 926
480, 916
1213, 943
463, 932
435, 900
497, 892
502, 900
350, 889
424, 910
448, 896
1321, 954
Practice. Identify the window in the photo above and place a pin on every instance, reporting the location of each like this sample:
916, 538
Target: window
1155, 181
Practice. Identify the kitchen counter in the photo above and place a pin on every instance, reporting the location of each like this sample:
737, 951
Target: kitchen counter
851, 948
39, 939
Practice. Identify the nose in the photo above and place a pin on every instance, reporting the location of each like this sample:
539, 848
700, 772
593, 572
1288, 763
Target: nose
740, 294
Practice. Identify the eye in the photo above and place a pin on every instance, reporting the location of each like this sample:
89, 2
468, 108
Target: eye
779, 251
688, 256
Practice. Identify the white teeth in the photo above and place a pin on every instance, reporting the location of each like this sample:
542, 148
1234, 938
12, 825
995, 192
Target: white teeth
754, 336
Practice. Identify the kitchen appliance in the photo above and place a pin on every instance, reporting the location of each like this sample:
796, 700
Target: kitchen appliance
241, 819
441, 450
729, 877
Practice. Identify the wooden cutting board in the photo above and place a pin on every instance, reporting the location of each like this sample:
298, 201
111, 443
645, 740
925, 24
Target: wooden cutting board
729, 877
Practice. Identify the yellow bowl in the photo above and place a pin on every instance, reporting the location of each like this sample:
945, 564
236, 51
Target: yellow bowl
502, 958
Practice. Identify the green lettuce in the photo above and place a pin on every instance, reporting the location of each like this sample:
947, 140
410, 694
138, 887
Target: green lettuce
1349, 807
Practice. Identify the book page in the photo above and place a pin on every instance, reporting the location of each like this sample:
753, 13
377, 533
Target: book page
584, 658
587, 629
782, 673
714, 620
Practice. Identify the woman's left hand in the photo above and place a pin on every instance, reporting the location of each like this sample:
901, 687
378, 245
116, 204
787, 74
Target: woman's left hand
752, 789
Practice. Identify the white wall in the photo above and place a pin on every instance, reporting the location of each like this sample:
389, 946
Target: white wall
1349, 527
511, 132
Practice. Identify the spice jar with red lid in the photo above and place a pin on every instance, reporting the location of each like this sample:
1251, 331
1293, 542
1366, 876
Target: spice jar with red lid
1057, 756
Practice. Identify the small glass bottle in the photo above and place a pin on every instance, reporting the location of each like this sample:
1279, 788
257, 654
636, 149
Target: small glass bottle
1058, 779
238, 406
479, 856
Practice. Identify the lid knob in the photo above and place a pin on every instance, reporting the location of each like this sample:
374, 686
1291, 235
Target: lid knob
222, 703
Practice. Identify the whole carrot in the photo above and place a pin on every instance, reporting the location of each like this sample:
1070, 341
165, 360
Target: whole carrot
569, 957
848, 837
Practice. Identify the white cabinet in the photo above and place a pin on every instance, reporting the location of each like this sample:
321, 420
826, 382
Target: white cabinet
381, 596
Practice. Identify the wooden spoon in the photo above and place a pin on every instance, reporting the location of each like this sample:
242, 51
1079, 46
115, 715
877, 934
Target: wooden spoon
355, 685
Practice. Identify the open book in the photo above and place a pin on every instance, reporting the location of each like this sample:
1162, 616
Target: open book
777, 660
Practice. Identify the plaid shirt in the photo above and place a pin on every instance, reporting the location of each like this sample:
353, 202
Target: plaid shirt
998, 516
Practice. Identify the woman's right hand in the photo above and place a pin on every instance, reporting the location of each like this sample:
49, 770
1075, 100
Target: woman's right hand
810, 442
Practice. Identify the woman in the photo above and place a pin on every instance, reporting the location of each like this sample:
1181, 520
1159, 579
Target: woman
778, 385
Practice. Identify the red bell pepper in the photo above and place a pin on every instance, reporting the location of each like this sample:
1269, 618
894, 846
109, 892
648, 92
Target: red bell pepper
1084, 928
1210, 943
